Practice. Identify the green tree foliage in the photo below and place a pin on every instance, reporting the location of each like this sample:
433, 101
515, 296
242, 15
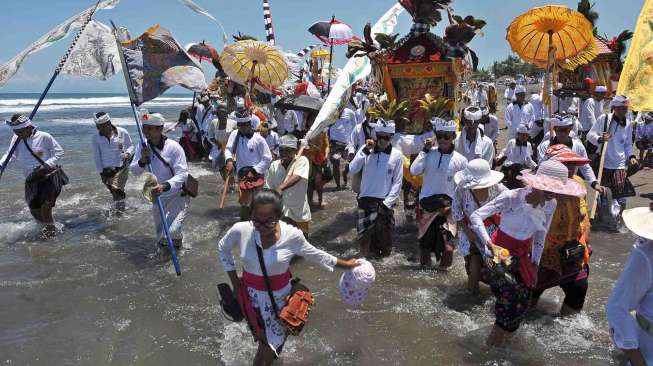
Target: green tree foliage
512, 66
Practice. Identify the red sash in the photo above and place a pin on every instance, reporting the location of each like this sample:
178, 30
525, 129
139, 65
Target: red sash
521, 249
277, 282
492, 220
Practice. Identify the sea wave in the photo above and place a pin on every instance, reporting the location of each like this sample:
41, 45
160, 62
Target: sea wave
55, 104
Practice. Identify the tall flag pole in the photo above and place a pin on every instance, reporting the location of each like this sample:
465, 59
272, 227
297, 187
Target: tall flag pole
267, 18
56, 73
164, 221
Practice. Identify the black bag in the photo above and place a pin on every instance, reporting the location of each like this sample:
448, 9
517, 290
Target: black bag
572, 251
435, 202
500, 274
229, 304
57, 174
191, 185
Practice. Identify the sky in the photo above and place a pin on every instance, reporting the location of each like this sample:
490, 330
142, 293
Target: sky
25, 21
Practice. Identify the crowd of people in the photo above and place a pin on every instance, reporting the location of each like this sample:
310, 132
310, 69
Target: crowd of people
518, 214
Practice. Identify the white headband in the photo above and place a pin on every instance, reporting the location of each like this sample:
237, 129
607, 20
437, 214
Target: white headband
102, 119
20, 122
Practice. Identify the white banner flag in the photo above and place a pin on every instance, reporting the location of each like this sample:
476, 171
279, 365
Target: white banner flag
9, 69
356, 69
95, 54
199, 10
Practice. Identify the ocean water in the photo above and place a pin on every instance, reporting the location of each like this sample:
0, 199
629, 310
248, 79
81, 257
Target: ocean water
102, 293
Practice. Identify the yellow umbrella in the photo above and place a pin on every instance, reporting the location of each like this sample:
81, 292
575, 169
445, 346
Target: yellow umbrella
568, 32
254, 62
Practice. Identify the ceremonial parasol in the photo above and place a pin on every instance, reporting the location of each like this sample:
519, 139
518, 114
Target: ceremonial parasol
552, 35
202, 51
255, 63
333, 32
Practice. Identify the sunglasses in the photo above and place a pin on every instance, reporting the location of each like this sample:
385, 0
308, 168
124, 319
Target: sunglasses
444, 136
385, 138
264, 224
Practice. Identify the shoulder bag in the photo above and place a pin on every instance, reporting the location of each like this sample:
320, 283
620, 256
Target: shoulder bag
57, 174
191, 186
294, 315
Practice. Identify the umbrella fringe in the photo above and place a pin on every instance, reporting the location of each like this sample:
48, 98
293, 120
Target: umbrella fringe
580, 60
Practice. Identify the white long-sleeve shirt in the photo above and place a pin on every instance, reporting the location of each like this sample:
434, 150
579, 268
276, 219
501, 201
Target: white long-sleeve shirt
479, 148
516, 115
252, 152
491, 129
620, 145
633, 292
590, 112
272, 139
107, 153
578, 148
517, 219
341, 130
357, 137
517, 154
382, 174
277, 257
438, 170
174, 155
204, 117
43, 145
509, 94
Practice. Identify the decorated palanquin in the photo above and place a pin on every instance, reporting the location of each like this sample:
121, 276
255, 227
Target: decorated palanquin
414, 69
605, 67
602, 70
421, 71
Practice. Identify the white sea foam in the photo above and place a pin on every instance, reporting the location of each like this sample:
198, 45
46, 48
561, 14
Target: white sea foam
54, 104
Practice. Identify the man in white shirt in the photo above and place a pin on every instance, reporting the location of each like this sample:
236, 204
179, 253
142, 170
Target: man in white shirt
271, 138
490, 125
516, 156
436, 227
519, 112
339, 134
472, 142
169, 166
562, 126
616, 130
248, 153
591, 110
509, 94
38, 154
112, 152
382, 168
289, 176
479, 97
536, 126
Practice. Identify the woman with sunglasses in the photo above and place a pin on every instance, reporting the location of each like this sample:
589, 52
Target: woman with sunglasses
436, 227
278, 243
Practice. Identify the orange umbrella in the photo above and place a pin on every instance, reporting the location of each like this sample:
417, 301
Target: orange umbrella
535, 33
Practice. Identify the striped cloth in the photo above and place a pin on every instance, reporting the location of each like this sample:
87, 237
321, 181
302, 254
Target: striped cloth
306, 50
267, 18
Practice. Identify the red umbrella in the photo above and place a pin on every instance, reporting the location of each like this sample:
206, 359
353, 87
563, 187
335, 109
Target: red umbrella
332, 33
202, 51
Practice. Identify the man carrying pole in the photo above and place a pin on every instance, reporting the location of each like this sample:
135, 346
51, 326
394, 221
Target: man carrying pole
38, 153
161, 156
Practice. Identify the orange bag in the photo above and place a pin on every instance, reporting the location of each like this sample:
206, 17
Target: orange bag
298, 305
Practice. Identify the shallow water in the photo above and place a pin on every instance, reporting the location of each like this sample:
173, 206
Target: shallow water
101, 293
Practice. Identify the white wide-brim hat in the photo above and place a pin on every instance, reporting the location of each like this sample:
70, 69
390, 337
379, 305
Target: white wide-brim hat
553, 176
477, 175
354, 284
639, 220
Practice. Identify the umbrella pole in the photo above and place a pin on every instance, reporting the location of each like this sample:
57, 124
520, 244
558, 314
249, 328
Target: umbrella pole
549, 79
330, 60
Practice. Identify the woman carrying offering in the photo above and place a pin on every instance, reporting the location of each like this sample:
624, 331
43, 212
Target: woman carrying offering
268, 239
526, 214
476, 186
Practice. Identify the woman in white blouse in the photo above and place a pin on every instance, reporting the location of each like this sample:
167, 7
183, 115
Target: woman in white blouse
634, 292
476, 186
526, 214
279, 242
